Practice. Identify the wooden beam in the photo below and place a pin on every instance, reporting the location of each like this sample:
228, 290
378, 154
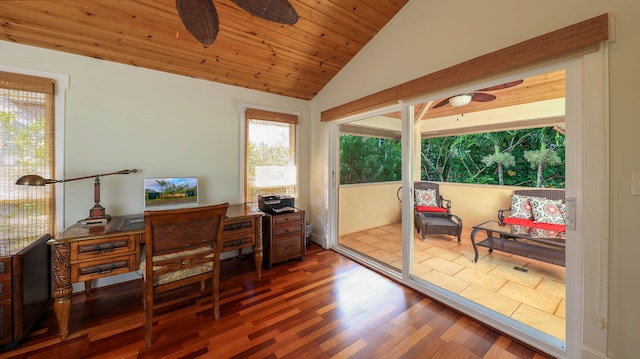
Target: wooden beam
581, 37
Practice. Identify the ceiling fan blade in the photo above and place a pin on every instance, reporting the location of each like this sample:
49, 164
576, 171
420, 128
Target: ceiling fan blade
200, 17
442, 103
280, 11
502, 86
482, 97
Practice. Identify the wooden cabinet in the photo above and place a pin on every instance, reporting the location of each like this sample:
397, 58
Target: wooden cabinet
25, 287
283, 237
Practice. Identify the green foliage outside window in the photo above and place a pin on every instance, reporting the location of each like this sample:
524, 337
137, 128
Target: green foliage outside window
531, 157
366, 160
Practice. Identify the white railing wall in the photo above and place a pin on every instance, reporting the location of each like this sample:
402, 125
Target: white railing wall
365, 206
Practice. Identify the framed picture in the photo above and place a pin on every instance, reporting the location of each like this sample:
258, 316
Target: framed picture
170, 191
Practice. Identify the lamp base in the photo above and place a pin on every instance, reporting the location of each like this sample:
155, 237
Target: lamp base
90, 221
97, 216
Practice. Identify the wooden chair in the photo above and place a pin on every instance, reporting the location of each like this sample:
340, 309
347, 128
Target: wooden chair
438, 220
182, 247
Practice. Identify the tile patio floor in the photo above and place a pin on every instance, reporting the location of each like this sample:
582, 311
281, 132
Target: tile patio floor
535, 297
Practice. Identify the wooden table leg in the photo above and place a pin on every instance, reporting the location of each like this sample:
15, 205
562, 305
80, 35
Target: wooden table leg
257, 248
63, 289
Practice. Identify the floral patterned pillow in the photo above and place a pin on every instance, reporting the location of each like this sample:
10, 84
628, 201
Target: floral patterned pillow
547, 211
426, 197
520, 207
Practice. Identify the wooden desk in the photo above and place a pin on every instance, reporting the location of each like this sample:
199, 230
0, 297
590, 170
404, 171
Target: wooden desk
83, 253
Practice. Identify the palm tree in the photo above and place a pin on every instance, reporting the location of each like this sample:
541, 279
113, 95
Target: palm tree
542, 157
499, 158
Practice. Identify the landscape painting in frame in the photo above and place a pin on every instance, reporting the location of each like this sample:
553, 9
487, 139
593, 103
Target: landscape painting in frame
170, 191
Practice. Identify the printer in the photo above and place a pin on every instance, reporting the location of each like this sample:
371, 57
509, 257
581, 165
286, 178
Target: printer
276, 204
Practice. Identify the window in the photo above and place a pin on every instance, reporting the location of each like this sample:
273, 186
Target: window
26, 147
270, 154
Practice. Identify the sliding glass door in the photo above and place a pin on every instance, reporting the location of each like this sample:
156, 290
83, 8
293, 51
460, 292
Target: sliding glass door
369, 174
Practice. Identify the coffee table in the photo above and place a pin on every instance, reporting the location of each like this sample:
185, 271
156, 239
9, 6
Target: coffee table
516, 240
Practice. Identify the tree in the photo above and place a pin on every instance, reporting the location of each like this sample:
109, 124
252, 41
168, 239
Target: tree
367, 159
501, 159
471, 158
25, 142
541, 158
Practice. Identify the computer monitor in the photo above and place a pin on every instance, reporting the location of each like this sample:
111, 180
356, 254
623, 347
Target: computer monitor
170, 191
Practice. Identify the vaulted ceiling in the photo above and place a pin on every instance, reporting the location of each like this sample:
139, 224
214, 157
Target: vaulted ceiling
291, 60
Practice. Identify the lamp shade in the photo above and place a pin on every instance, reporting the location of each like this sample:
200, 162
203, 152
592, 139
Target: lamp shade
460, 100
34, 180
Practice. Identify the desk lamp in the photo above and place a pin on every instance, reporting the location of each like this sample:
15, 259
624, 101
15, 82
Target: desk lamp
97, 214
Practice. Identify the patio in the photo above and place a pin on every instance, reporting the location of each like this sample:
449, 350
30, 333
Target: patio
534, 296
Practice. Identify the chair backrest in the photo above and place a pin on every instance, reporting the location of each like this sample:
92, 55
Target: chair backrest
429, 185
182, 246
172, 231
548, 193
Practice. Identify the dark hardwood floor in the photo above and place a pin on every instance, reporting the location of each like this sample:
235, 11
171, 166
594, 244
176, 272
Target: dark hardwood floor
325, 306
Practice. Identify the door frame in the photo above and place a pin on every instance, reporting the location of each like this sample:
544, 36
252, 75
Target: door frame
587, 156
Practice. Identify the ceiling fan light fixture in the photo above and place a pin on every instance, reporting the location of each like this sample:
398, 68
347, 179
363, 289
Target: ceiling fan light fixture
460, 100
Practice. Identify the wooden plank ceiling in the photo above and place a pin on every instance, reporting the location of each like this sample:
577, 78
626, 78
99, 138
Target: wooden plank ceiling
538, 88
291, 60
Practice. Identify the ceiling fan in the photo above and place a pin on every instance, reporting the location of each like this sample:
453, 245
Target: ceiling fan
477, 96
200, 17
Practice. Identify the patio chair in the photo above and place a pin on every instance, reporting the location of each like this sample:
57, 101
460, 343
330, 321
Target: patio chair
433, 212
548, 193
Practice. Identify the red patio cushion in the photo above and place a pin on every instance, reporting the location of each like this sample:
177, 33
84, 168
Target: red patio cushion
532, 224
430, 209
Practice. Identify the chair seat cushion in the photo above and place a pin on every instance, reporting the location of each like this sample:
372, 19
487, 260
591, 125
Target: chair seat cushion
173, 276
430, 209
538, 225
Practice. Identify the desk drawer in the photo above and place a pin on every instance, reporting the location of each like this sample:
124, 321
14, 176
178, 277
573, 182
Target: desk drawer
285, 219
238, 226
287, 248
5, 288
5, 278
88, 270
6, 322
279, 231
238, 234
5, 267
101, 248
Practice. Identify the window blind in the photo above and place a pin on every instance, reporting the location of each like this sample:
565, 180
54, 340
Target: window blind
26, 147
270, 154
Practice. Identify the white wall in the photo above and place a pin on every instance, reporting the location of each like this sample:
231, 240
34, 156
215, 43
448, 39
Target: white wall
120, 116
116, 115
427, 36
